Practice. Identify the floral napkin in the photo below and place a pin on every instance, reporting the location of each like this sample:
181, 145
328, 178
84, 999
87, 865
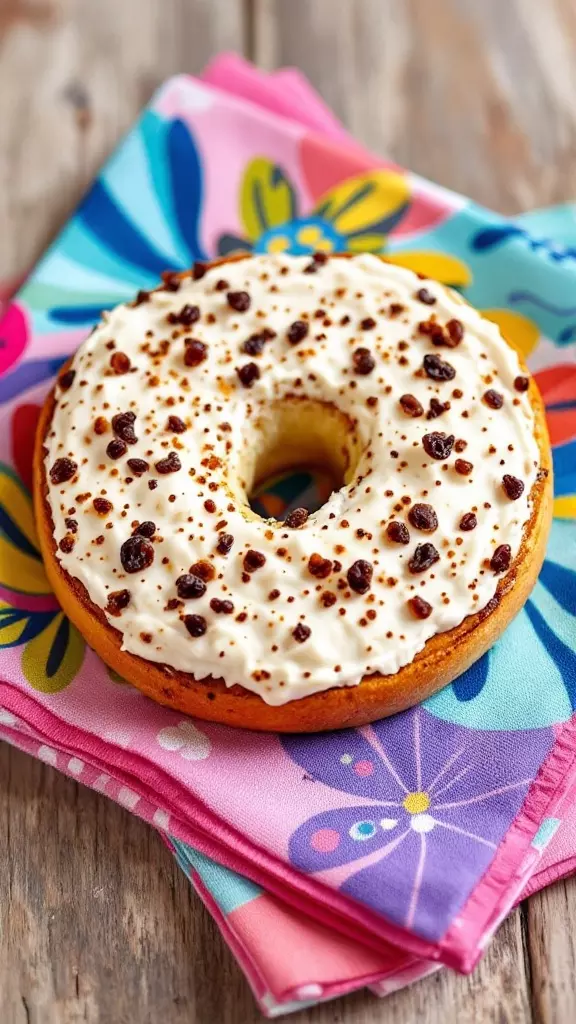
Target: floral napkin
353, 829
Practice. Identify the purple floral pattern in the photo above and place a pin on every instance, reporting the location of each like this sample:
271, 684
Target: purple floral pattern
437, 801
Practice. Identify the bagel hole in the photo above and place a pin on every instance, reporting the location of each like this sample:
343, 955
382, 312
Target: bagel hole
305, 450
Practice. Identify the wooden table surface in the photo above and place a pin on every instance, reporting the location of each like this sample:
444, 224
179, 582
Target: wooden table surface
96, 922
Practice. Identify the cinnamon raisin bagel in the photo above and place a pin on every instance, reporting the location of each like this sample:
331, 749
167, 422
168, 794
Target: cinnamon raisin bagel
161, 425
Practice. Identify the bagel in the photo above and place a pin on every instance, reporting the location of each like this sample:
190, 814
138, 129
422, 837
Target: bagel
162, 425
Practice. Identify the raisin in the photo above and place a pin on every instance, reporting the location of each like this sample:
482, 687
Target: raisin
102, 506
319, 567
432, 330
368, 324
468, 522
239, 301
423, 558
296, 518
437, 369
398, 532
363, 361
195, 351
423, 295
176, 425
436, 409
171, 280
318, 260
171, 464
460, 445
198, 270
136, 554
297, 331
188, 315
253, 560
123, 426
195, 624
190, 586
500, 560
62, 471
145, 529
359, 576
101, 425
221, 607
301, 632
225, 542
423, 517
210, 506
463, 467
66, 379
117, 601
138, 466
328, 599
419, 607
254, 345
493, 399
513, 487
411, 406
204, 570
71, 525
521, 383
455, 332
67, 543
120, 362
438, 446
248, 374
116, 448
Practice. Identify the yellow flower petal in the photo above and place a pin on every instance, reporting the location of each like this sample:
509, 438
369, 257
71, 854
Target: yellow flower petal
373, 201
280, 243
16, 504
519, 331
266, 200
437, 265
52, 659
19, 571
565, 507
10, 632
367, 243
309, 235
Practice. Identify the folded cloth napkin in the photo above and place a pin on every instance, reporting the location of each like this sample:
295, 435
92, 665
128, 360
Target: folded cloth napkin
351, 829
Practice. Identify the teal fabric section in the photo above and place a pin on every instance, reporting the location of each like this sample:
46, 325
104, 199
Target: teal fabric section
229, 889
545, 833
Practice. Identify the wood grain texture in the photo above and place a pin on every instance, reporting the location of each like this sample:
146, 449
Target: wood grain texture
480, 97
96, 922
73, 76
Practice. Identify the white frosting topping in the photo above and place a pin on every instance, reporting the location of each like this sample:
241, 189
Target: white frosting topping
346, 304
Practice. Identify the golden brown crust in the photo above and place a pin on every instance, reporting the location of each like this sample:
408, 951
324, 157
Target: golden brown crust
444, 657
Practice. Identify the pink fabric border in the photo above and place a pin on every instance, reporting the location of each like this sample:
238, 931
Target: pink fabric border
192, 822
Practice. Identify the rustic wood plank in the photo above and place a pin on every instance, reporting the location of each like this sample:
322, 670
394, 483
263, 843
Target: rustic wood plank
73, 76
480, 97
552, 951
97, 923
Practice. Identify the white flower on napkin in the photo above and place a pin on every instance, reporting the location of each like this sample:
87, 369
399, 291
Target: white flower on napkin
190, 743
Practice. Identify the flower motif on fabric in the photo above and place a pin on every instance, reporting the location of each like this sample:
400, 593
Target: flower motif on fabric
186, 739
492, 693
437, 801
140, 217
356, 215
30, 617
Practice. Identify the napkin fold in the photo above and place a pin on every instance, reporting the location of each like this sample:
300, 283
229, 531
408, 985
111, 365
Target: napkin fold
481, 775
